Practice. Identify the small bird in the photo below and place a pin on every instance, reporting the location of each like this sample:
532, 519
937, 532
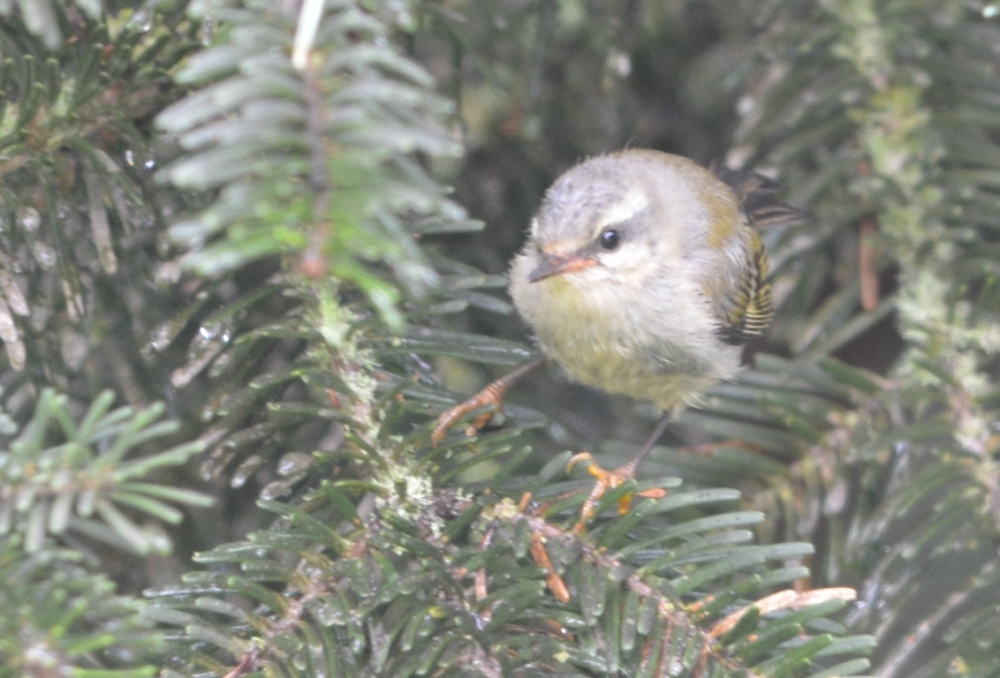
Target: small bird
644, 275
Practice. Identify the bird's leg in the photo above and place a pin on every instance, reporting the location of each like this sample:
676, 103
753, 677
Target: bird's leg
607, 480
492, 394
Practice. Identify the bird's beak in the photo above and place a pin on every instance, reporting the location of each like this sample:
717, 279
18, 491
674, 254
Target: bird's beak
557, 265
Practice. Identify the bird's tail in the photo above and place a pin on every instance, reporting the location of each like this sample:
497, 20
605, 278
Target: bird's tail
759, 195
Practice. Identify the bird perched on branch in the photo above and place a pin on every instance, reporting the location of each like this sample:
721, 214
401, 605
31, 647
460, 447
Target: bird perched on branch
644, 275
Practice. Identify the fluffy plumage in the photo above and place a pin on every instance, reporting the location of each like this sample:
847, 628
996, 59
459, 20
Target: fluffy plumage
643, 274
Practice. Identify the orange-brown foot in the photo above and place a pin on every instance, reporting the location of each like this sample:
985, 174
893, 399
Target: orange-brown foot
606, 480
491, 395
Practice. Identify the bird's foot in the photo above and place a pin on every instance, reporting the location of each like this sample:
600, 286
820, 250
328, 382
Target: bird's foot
607, 480
491, 395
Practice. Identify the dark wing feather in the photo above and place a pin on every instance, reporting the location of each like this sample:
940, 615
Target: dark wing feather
748, 311
759, 196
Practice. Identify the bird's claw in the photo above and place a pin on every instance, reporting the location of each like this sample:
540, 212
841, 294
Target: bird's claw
606, 480
491, 395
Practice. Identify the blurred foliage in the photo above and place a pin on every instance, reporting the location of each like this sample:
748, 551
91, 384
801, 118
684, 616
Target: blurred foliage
71, 486
238, 213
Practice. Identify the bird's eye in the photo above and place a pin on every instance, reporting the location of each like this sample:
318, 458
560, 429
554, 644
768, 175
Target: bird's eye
610, 238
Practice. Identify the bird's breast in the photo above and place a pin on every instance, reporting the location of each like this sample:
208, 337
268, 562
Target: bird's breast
644, 343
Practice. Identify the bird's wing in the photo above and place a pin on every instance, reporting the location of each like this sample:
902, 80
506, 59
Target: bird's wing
747, 311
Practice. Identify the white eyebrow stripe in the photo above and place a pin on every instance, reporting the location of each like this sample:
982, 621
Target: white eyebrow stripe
631, 204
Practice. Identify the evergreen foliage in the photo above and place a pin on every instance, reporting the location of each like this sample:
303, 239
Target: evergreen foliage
237, 214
